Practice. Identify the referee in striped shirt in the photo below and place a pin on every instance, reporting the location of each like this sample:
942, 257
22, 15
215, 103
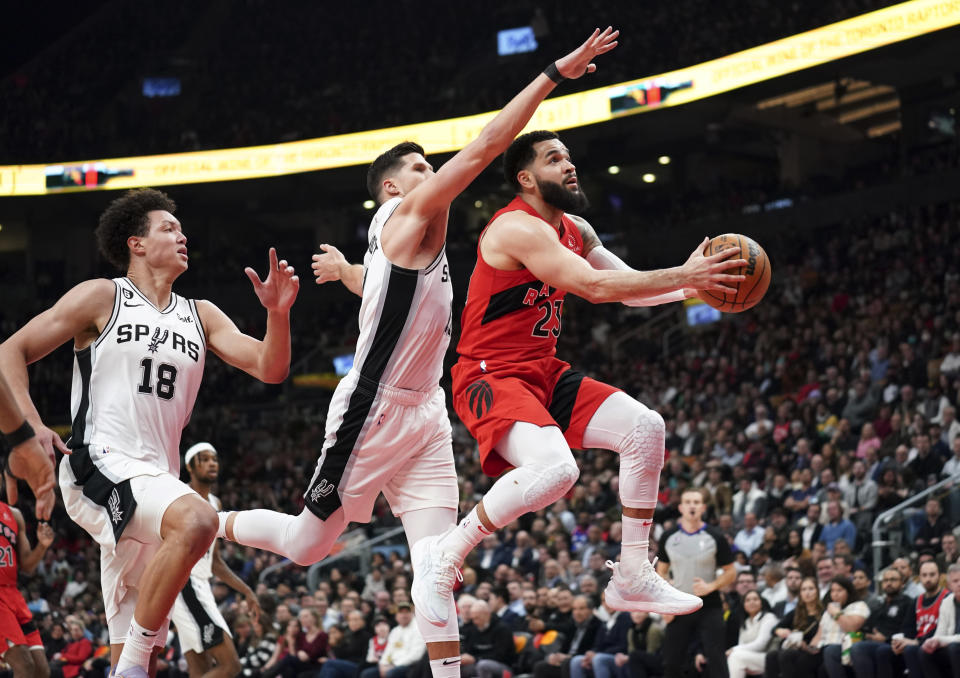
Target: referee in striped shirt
693, 552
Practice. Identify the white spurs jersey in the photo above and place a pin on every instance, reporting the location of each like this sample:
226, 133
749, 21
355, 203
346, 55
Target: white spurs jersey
204, 567
405, 317
134, 387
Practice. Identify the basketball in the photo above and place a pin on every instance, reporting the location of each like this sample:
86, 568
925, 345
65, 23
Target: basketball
757, 271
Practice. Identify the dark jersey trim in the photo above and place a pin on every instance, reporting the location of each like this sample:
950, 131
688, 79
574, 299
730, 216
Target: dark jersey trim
323, 495
565, 397
201, 618
113, 316
509, 300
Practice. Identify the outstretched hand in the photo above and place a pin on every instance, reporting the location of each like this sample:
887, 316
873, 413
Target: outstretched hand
33, 463
279, 290
328, 266
579, 60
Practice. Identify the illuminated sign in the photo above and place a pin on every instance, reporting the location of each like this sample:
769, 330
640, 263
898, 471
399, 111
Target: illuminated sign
805, 50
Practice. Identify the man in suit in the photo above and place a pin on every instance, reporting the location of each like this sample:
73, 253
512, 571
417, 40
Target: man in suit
500, 608
557, 664
792, 579
611, 640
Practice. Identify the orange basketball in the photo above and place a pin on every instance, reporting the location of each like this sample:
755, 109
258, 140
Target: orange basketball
757, 271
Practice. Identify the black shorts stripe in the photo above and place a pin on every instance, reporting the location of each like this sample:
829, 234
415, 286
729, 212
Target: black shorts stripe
323, 495
115, 498
511, 299
211, 634
565, 397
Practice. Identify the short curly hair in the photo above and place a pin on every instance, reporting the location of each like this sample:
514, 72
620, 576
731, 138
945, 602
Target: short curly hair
125, 217
520, 154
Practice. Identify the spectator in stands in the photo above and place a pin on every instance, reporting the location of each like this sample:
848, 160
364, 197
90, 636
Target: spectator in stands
378, 642
845, 614
796, 631
949, 554
487, 648
799, 499
792, 580
934, 527
68, 663
644, 641
843, 565
750, 538
925, 462
500, 609
404, 647
755, 630
837, 526
911, 586
825, 574
256, 642
873, 657
304, 649
923, 622
861, 496
860, 408
587, 624
611, 639
940, 654
952, 466
749, 499
348, 654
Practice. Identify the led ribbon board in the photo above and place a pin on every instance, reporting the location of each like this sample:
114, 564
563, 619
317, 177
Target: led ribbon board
805, 50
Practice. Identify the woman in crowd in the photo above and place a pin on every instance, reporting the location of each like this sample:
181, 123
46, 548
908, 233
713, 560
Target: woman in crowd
756, 629
797, 631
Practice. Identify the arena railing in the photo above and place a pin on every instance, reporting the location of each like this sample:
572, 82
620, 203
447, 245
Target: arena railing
946, 489
362, 550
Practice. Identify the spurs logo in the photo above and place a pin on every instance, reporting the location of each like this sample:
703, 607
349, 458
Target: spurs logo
113, 505
208, 634
157, 340
323, 489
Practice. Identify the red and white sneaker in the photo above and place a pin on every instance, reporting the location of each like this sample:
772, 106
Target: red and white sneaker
647, 591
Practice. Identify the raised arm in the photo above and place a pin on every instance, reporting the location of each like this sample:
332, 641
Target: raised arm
534, 245
269, 359
27, 557
332, 265
602, 259
80, 314
408, 224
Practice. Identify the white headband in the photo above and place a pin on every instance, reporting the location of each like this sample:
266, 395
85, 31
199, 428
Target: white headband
197, 449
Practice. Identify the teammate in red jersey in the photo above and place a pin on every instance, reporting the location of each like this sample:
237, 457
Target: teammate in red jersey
525, 407
19, 638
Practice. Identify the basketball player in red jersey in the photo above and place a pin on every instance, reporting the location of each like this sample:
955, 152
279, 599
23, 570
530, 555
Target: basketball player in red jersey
19, 638
525, 407
26, 458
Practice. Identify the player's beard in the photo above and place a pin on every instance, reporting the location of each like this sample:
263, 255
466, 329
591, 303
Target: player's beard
563, 198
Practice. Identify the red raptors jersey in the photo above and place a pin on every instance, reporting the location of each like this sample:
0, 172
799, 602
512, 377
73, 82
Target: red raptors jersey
927, 615
8, 546
510, 315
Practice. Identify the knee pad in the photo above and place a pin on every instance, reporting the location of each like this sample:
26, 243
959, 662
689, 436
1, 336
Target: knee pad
645, 440
546, 483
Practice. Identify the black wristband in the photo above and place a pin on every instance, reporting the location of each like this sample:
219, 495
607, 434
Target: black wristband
552, 73
21, 435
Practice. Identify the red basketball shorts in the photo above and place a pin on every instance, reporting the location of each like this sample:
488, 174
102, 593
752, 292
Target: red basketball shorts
490, 396
16, 623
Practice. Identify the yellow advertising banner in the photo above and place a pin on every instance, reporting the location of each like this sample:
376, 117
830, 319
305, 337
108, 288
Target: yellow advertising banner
805, 50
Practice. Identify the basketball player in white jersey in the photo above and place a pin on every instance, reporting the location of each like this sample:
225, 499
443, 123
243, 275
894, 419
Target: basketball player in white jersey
205, 638
387, 427
139, 355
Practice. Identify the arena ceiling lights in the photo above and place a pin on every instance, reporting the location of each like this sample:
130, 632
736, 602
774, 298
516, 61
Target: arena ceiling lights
805, 50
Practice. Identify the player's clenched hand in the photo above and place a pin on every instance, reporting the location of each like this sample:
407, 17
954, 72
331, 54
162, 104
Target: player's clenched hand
327, 267
34, 464
45, 534
707, 272
579, 60
279, 290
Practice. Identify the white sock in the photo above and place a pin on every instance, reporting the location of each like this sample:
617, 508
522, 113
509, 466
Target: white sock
461, 540
633, 546
445, 668
137, 648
